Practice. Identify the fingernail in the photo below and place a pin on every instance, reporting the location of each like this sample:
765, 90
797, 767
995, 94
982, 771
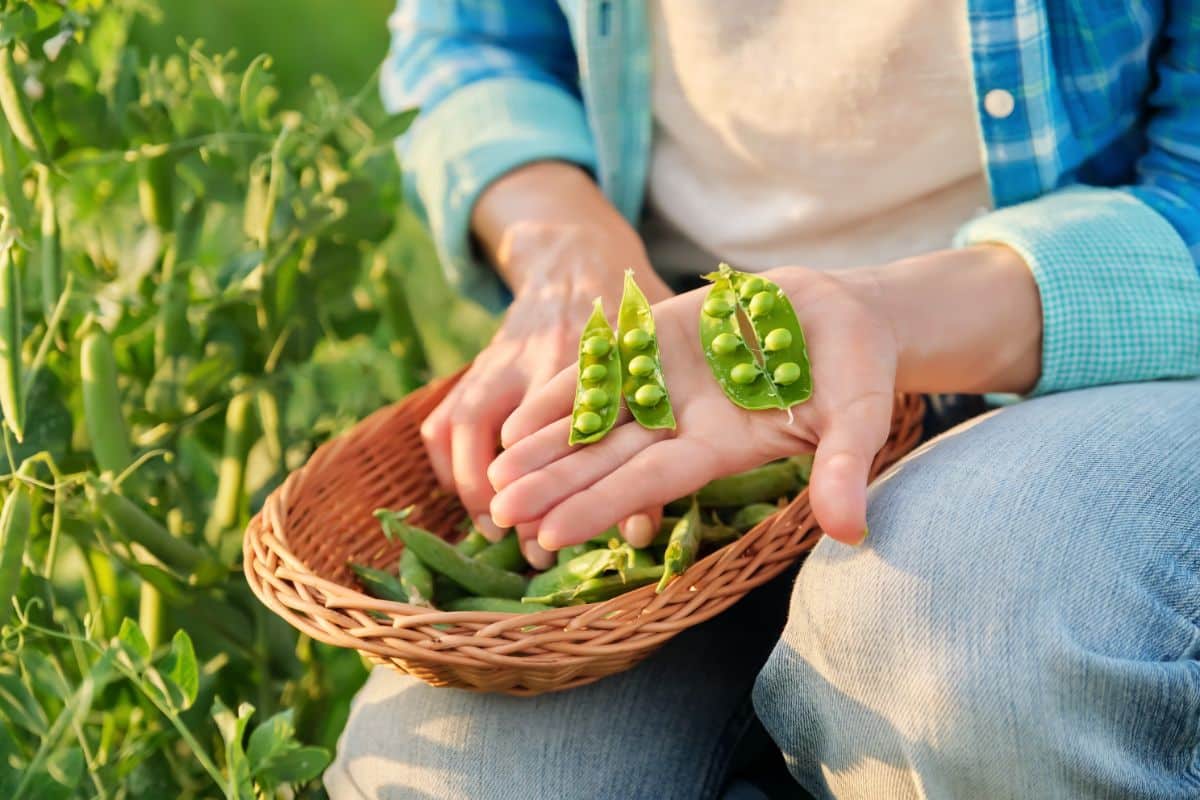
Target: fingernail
490, 530
866, 533
638, 530
537, 556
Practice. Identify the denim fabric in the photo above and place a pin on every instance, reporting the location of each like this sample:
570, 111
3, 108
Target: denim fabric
1024, 622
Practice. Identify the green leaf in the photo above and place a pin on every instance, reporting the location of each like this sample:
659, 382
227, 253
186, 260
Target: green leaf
271, 738
134, 642
294, 766
59, 776
18, 24
233, 731
396, 124
181, 668
19, 706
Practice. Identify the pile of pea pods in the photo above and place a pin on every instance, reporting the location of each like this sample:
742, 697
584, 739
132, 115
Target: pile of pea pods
477, 575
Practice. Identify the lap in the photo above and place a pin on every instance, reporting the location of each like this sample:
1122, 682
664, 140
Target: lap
1030, 590
665, 729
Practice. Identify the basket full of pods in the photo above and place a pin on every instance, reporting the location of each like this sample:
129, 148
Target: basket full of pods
360, 548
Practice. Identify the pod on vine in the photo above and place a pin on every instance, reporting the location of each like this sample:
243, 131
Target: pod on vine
642, 382
597, 390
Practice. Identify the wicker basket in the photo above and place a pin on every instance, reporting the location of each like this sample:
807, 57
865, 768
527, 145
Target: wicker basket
297, 548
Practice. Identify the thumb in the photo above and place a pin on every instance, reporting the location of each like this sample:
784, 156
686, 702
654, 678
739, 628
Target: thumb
838, 488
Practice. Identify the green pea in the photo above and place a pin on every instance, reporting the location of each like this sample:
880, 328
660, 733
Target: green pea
641, 366
636, 339
787, 373
595, 398
599, 382
778, 339
594, 373
648, 395
588, 422
762, 304
642, 381
596, 346
744, 374
718, 307
750, 287
725, 343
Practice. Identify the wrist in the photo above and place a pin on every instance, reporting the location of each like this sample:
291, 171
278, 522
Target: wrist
965, 321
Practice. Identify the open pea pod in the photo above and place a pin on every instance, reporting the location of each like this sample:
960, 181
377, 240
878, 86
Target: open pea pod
728, 353
598, 389
642, 382
783, 377
780, 336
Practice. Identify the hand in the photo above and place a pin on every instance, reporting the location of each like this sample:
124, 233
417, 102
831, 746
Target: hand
556, 265
571, 494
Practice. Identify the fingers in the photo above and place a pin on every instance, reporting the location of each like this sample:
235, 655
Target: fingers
641, 528
536, 487
538, 556
838, 489
463, 441
663, 471
531, 453
435, 432
542, 406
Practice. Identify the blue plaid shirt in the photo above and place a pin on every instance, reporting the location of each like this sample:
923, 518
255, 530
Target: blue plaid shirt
1089, 111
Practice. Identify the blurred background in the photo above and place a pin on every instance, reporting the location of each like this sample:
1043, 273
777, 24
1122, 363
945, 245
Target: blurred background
345, 43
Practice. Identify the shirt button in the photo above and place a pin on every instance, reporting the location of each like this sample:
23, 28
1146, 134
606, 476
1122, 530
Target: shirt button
998, 103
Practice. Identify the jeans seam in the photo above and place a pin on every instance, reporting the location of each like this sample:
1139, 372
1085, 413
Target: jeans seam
734, 729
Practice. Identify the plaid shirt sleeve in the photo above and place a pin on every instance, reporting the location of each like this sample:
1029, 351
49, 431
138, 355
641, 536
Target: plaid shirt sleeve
1117, 267
497, 85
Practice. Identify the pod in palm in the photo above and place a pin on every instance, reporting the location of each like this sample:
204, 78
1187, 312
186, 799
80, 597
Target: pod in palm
642, 382
783, 376
598, 387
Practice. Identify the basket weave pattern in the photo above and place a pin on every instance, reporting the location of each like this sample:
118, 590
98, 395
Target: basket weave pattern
297, 549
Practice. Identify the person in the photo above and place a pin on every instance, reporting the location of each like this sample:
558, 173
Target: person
976, 199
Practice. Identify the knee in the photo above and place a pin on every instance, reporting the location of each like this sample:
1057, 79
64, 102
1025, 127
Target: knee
1015, 577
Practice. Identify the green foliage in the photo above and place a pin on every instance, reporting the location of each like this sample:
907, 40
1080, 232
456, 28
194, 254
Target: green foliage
214, 237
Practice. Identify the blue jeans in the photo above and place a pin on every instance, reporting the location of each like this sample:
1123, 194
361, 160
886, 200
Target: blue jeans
1023, 622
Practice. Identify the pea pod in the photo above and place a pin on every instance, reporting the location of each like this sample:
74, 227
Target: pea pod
129, 522
598, 388
415, 579
12, 103
50, 248
11, 390
15, 521
778, 332
599, 589
501, 605
504, 554
585, 566
102, 402
567, 553
482, 579
472, 543
749, 516
729, 356
231, 477
682, 547
378, 583
156, 190
759, 485
642, 382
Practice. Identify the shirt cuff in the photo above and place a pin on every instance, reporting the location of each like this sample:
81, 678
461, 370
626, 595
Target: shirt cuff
1120, 292
474, 136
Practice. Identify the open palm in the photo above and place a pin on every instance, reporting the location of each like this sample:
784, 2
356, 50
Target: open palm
573, 493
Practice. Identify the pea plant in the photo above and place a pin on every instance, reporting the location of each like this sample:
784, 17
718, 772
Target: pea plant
197, 287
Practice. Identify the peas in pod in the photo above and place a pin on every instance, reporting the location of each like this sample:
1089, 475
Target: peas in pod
783, 377
642, 383
597, 393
